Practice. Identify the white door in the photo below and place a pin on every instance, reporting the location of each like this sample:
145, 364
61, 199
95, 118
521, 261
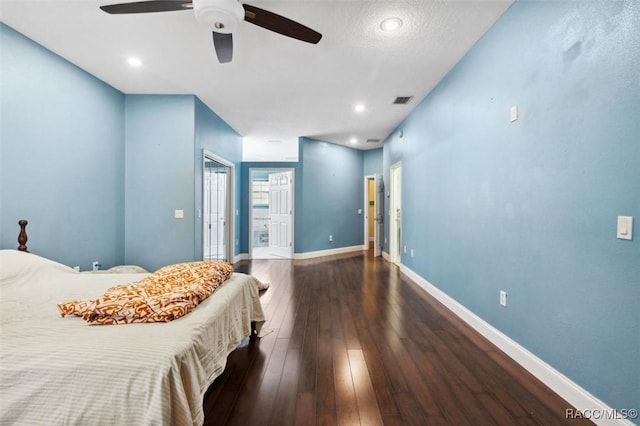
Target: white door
395, 214
206, 204
280, 214
215, 208
378, 208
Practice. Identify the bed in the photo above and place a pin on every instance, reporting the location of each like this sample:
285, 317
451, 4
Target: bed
56, 370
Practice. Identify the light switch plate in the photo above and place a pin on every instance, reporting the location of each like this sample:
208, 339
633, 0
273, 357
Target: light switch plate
513, 113
625, 227
178, 214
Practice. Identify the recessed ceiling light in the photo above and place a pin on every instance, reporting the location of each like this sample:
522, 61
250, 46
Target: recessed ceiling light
134, 62
353, 141
391, 24
359, 107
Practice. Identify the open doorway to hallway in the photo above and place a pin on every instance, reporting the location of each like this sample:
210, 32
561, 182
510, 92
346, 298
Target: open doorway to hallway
271, 213
374, 213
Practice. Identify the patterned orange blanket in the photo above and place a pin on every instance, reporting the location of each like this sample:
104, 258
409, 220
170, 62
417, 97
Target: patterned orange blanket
167, 294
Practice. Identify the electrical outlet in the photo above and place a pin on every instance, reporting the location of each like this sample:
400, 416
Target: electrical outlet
96, 265
330, 238
411, 252
405, 249
503, 298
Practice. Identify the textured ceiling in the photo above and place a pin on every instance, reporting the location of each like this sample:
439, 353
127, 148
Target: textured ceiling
276, 88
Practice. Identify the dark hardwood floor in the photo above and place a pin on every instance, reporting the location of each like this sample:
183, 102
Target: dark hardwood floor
353, 341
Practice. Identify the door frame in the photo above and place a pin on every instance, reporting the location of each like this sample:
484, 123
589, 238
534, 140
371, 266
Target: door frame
395, 203
377, 235
230, 211
293, 203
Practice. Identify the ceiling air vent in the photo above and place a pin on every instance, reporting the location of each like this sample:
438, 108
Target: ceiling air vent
373, 141
402, 100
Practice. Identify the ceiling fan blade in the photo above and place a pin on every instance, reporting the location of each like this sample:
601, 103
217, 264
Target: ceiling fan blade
223, 44
148, 6
279, 24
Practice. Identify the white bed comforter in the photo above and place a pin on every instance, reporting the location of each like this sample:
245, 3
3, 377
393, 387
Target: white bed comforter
62, 371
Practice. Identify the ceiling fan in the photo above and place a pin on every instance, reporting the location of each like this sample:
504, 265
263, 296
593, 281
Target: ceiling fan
224, 16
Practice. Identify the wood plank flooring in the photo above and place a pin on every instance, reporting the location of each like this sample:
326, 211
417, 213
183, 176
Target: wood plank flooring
355, 342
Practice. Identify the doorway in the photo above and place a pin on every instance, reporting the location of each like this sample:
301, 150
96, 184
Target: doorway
373, 226
271, 213
395, 214
217, 206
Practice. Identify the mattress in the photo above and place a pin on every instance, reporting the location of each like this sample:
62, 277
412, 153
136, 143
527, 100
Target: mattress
57, 370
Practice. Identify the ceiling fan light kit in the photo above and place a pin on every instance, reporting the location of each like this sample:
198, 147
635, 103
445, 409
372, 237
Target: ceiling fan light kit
223, 17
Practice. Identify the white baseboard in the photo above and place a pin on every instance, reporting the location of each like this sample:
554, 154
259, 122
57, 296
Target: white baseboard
330, 252
386, 256
311, 254
240, 256
578, 397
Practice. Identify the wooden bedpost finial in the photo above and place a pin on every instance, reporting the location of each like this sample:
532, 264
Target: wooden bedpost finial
22, 237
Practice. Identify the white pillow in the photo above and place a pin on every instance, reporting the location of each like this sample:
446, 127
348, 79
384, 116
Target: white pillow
14, 264
128, 269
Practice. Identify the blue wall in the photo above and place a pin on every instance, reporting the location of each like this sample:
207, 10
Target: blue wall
62, 156
530, 207
372, 162
328, 193
332, 178
216, 136
159, 179
329, 185
166, 136
260, 175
